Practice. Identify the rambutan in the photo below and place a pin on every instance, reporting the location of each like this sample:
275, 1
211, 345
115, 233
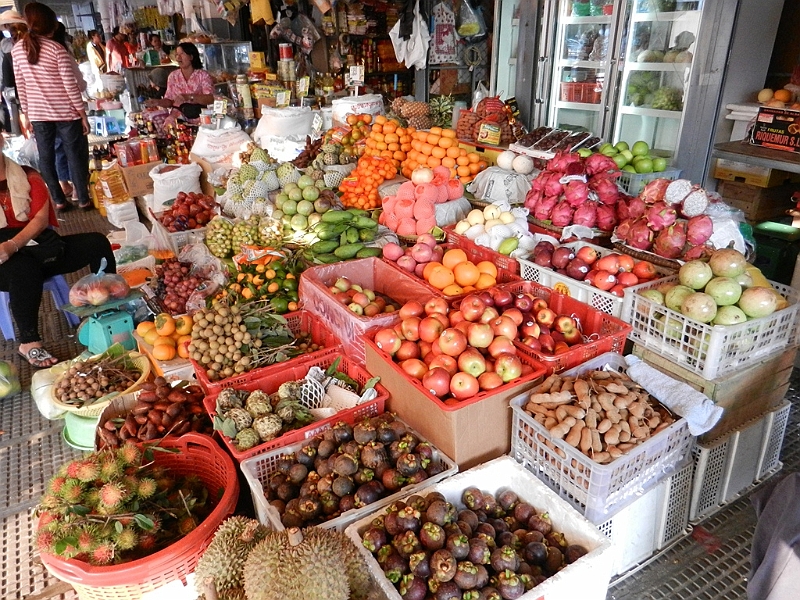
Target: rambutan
110, 468
72, 468
186, 524
45, 518
87, 539
112, 495
103, 554
55, 484
88, 471
129, 454
46, 541
147, 541
126, 539
92, 497
147, 487
72, 491
50, 501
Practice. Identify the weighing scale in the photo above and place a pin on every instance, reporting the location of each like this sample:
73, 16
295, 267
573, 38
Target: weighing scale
106, 324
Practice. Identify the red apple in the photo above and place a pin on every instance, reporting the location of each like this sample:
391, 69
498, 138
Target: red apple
463, 385
489, 315
524, 302
561, 348
604, 280
407, 350
626, 279
515, 315
645, 270
414, 367
471, 361
568, 327
442, 318
412, 308
424, 348
487, 297
547, 342
452, 341
472, 307
530, 328
430, 329
448, 363
501, 345
587, 254
532, 342
388, 341
410, 328
546, 316
380, 303
502, 298
504, 326
437, 304
508, 366
480, 335
399, 330
456, 317
538, 304
610, 263
371, 309
463, 327
361, 299
489, 381
618, 290
437, 382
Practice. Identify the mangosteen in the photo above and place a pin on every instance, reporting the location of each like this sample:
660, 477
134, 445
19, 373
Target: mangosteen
309, 508
332, 460
385, 433
532, 536
392, 480
448, 590
412, 588
425, 451
574, 552
396, 450
364, 432
399, 428
504, 558
363, 475
292, 504
483, 576
541, 523
380, 469
278, 504
330, 502
275, 481
506, 538
482, 516
346, 464
292, 519
347, 503
434, 468
535, 553
420, 565
373, 454
408, 464
458, 546
432, 536
325, 483
417, 477
524, 568
466, 575
465, 528
486, 528
523, 511
489, 593
391, 524
327, 435
499, 525
556, 539
443, 565
395, 567
326, 448
471, 595
472, 498
441, 512
417, 502
408, 519
509, 585
284, 463
306, 456
384, 553
527, 581
555, 560
507, 500
369, 493
511, 523
479, 552
434, 496
492, 508
407, 543
323, 466
309, 488
286, 491
342, 432
469, 516
342, 486
352, 448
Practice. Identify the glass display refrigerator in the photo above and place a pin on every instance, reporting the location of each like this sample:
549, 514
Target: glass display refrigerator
225, 60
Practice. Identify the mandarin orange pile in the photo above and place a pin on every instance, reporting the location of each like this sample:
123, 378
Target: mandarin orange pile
388, 140
456, 274
169, 336
440, 147
360, 188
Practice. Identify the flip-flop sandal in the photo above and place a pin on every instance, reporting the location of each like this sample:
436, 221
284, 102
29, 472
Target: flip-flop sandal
87, 206
39, 358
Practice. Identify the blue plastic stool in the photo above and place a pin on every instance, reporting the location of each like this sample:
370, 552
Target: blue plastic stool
57, 286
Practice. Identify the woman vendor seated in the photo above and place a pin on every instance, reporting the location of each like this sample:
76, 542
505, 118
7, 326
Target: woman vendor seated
189, 87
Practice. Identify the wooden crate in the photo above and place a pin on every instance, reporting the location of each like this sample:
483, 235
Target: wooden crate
744, 396
758, 203
742, 172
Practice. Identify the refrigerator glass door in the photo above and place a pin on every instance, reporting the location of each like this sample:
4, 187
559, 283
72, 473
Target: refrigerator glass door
506, 39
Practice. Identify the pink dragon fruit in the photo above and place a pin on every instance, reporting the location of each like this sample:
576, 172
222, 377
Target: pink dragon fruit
623, 212
561, 215
669, 242
566, 162
640, 236
695, 203
699, 230
654, 191
606, 190
624, 228
586, 215
544, 207
636, 207
606, 217
576, 193
599, 163
538, 182
553, 186
699, 252
660, 216
532, 198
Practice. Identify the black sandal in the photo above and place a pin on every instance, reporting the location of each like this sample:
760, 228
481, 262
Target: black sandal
39, 358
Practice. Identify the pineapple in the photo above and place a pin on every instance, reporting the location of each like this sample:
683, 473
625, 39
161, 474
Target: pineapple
442, 110
414, 109
422, 122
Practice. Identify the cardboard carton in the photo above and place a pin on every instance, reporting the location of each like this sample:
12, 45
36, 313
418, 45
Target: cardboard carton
777, 128
137, 178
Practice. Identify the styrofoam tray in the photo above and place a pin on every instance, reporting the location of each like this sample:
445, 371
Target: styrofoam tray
587, 578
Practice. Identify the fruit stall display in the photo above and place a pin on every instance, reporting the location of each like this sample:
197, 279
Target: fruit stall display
504, 231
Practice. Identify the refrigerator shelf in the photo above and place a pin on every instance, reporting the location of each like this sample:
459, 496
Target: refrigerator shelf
573, 20
654, 66
650, 112
662, 16
579, 105
584, 64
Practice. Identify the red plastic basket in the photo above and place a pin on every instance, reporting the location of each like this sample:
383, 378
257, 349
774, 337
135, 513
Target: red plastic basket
477, 253
606, 333
300, 321
198, 455
297, 369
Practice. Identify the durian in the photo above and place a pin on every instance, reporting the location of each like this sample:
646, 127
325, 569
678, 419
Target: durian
312, 564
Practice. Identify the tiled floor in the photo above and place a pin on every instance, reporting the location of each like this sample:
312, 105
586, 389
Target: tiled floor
711, 566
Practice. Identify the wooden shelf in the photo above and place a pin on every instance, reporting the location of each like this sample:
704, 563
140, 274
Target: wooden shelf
758, 156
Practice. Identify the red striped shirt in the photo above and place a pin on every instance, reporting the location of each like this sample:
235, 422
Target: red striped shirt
48, 90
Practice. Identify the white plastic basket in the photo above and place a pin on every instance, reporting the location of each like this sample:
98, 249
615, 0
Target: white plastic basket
258, 469
596, 490
587, 578
651, 522
633, 183
190, 236
708, 350
584, 292
726, 468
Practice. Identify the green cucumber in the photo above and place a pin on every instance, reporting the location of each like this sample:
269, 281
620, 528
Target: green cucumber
337, 216
365, 223
326, 259
352, 235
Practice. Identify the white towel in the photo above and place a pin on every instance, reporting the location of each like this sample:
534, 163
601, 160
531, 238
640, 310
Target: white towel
681, 398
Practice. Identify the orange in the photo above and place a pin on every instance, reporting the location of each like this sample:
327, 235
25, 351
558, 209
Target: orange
432, 139
483, 165
474, 169
454, 256
462, 160
151, 336
449, 133
380, 119
367, 118
143, 327
439, 152
463, 171
436, 130
426, 148
487, 267
466, 273
430, 267
183, 346
446, 142
441, 277
449, 162
164, 352
183, 325
433, 162
454, 152
782, 95
453, 290
473, 158
485, 281
165, 324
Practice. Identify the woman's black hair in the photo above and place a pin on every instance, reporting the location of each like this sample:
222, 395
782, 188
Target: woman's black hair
115, 31
190, 49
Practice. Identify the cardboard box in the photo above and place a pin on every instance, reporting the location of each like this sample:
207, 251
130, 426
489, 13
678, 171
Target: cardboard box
744, 396
777, 128
470, 434
742, 172
207, 167
137, 179
758, 203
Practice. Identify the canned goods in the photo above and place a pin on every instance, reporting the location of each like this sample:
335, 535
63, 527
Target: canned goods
285, 51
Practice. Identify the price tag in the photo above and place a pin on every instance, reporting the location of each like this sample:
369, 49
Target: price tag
302, 87
282, 98
356, 75
316, 124
221, 106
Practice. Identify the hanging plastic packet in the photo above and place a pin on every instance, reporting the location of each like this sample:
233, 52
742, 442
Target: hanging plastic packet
470, 25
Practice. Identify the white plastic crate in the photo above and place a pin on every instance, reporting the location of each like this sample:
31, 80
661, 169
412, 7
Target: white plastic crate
596, 490
726, 468
258, 469
633, 183
190, 236
708, 350
651, 522
584, 292
587, 578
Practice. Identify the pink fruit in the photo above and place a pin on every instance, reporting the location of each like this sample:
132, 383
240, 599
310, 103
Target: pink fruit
423, 209
455, 189
660, 216
599, 163
404, 208
392, 251
606, 217
699, 229
562, 214
576, 193
407, 227
654, 191
606, 190
425, 225
670, 241
585, 215
405, 191
428, 240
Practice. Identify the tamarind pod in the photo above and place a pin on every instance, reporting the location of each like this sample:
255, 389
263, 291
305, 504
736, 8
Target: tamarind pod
162, 406
148, 386
162, 391
150, 432
123, 434
147, 396
197, 425
140, 419
161, 430
110, 425
130, 424
167, 420
154, 416
174, 410
108, 437
177, 396
183, 428
196, 409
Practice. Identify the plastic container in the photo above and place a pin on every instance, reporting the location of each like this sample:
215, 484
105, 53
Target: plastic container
257, 471
300, 321
728, 467
583, 292
709, 350
196, 455
587, 578
477, 253
633, 183
271, 381
596, 490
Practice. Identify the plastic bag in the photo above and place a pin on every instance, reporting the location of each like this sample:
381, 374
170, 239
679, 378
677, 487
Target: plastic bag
22, 151
479, 94
161, 244
168, 180
98, 288
470, 24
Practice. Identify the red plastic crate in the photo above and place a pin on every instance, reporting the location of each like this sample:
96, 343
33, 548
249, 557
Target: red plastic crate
300, 321
270, 382
478, 253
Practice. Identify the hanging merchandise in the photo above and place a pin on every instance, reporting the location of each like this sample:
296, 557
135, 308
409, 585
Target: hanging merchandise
470, 24
260, 10
299, 31
414, 50
443, 48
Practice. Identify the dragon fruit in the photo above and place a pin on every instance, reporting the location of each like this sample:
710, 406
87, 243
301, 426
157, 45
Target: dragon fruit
532, 198
552, 185
654, 191
566, 162
636, 207
561, 215
545, 207
669, 242
695, 203
606, 217
699, 230
677, 190
576, 193
600, 163
699, 252
640, 235
624, 228
586, 215
660, 216
623, 212
606, 190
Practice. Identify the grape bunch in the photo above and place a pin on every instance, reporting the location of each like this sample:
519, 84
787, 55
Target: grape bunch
176, 284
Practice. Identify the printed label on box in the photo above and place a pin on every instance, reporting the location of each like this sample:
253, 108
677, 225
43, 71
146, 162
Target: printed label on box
777, 128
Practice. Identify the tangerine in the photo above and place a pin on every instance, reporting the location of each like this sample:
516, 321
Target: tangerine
453, 290
430, 267
485, 281
782, 95
466, 273
441, 277
453, 257
487, 267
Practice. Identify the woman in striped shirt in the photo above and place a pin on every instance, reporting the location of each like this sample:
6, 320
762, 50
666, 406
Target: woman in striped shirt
50, 99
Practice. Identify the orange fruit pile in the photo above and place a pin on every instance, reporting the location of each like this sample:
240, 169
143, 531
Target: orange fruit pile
456, 274
169, 336
440, 147
387, 139
360, 188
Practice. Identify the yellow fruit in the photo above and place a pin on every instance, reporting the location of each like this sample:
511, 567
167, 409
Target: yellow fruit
165, 324
164, 340
143, 327
765, 95
164, 352
782, 95
151, 336
183, 325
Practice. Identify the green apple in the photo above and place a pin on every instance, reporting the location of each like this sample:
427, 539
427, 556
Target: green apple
584, 152
620, 160
603, 146
640, 148
659, 164
621, 146
627, 154
610, 151
644, 166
